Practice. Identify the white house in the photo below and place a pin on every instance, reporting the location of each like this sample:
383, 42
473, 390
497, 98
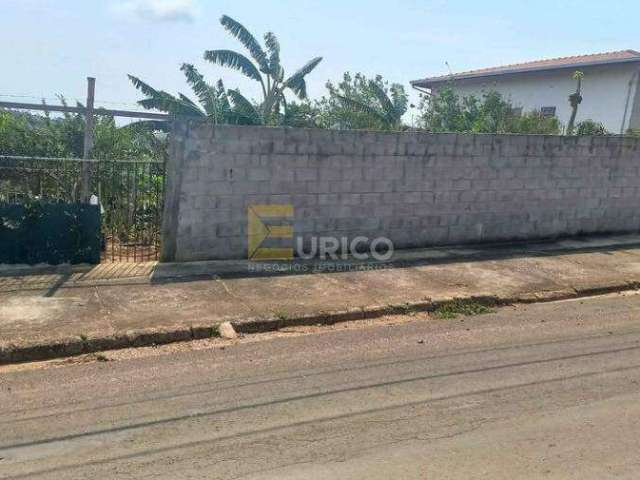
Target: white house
610, 87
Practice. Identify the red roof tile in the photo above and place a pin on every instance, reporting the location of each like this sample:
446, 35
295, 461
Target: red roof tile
549, 64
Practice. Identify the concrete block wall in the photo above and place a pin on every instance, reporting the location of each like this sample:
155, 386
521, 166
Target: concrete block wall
416, 189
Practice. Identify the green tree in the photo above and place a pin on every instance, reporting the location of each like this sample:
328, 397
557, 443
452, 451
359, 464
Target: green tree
444, 112
26, 134
447, 112
491, 114
361, 103
264, 67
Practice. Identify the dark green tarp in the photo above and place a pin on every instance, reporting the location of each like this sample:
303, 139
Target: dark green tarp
50, 233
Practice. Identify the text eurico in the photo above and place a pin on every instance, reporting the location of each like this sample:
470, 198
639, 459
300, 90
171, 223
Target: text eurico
271, 237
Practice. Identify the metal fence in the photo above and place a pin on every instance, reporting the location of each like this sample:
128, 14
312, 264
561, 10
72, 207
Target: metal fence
130, 194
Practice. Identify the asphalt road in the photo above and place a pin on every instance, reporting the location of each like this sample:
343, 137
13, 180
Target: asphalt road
546, 391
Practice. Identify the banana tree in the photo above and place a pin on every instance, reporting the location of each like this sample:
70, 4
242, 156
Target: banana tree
214, 102
264, 67
386, 107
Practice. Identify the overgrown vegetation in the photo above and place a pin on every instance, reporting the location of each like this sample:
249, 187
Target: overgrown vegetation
355, 102
358, 102
446, 111
63, 136
591, 127
130, 193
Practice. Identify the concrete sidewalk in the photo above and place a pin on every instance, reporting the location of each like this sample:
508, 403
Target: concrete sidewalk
57, 312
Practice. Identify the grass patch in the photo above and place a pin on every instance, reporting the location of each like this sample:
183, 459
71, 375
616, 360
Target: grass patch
461, 307
404, 309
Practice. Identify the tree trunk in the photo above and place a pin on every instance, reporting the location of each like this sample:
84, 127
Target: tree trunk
575, 100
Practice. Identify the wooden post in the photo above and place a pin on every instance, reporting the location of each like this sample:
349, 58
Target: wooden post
85, 186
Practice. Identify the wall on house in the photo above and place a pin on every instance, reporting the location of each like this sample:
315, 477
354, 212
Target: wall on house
606, 91
415, 189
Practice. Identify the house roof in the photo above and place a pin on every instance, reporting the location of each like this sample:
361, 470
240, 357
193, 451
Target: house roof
621, 56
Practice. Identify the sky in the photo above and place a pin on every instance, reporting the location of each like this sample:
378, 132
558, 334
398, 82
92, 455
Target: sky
49, 47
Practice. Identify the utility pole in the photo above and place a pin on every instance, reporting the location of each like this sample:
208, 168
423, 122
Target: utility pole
85, 186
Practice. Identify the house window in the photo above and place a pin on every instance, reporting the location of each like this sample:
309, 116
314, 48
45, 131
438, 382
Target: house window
548, 112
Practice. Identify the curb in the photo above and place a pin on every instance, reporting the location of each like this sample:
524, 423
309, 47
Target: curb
74, 346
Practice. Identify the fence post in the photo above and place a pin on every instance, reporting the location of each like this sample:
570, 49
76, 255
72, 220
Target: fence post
85, 185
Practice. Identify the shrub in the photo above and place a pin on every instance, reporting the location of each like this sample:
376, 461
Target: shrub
591, 127
447, 112
534, 123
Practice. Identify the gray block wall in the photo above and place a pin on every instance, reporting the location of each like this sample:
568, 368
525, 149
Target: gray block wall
416, 189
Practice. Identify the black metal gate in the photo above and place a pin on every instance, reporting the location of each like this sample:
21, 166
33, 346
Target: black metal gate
130, 195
